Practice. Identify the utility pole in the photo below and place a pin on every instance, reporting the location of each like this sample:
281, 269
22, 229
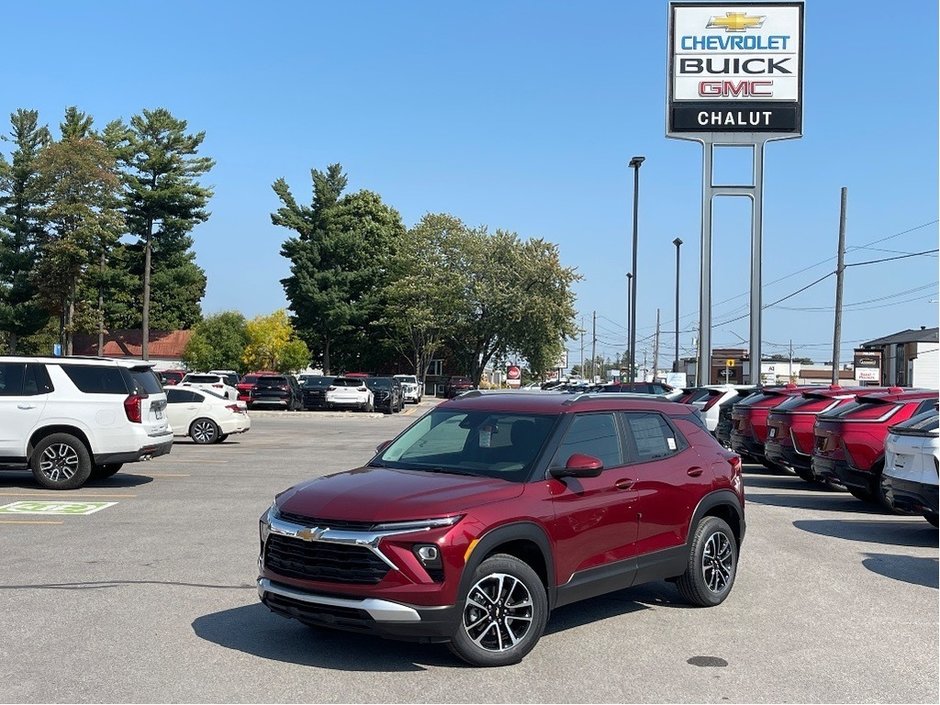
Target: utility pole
582, 346
628, 363
840, 276
656, 348
791, 359
593, 348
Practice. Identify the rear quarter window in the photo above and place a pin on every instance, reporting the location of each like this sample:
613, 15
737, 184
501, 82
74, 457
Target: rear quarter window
95, 379
146, 381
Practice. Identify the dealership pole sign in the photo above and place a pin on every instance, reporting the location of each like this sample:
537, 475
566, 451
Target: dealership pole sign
735, 79
735, 68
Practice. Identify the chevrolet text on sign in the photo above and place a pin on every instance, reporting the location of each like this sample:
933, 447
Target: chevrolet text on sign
735, 67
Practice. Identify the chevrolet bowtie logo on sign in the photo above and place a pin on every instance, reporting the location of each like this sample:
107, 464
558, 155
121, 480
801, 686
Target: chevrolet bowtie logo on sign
311, 534
735, 22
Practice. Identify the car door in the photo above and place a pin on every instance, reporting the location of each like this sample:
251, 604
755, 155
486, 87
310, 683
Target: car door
24, 390
182, 408
668, 476
594, 520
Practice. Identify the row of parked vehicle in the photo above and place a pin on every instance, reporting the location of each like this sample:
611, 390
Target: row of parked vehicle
879, 443
266, 389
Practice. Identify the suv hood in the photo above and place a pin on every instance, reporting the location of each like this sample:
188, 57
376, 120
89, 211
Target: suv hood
372, 494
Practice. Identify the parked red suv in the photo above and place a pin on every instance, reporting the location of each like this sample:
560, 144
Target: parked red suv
790, 437
850, 440
749, 419
494, 508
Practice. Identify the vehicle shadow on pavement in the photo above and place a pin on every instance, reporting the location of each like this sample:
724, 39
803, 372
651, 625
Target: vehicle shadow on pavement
614, 604
830, 501
913, 532
783, 482
23, 480
254, 630
908, 569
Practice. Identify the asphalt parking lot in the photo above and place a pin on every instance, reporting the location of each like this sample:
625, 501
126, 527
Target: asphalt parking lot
153, 599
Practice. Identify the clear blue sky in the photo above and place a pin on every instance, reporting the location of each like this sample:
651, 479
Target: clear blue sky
523, 116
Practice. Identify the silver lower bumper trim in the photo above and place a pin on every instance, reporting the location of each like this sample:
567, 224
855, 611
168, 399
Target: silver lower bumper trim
379, 610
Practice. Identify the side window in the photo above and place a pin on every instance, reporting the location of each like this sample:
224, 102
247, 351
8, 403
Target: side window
650, 437
176, 396
92, 379
926, 405
11, 378
37, 380
591, 434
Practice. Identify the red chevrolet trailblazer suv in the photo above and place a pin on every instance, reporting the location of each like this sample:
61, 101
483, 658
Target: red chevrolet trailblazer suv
790, 437
850, 440
749, 419
494, 508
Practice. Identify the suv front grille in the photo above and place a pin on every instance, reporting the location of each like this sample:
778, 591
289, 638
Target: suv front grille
320, 560
341, 524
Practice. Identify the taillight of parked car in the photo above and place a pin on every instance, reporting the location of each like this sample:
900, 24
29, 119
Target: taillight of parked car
361, 389
331, 389
712, 400
235, 408
133, 408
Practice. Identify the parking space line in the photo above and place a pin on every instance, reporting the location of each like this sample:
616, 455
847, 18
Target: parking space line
27, 521
62, 494
167, 474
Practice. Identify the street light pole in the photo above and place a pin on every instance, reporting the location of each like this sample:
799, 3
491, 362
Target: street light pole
678, 243
629, 321
635, 165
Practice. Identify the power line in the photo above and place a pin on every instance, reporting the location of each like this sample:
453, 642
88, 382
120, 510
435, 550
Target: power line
891, 259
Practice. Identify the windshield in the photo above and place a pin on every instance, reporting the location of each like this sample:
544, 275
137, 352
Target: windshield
481, 443
374, 383
407, 379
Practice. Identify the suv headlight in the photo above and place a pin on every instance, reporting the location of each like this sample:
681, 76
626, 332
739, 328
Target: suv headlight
264, 523
420, 525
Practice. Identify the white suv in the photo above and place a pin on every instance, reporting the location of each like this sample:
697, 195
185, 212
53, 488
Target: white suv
213, 382
410, 388
72, 418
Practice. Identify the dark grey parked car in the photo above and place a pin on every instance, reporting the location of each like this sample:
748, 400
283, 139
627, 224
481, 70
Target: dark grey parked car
281, 391
387, 393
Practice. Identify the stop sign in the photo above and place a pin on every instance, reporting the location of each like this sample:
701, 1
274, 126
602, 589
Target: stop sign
513, 372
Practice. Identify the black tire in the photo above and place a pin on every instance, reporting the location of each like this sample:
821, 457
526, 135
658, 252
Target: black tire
204, 431
713, 564
805, 474
863, 493
100, 472
776, 467
932, 518
222, 438
389, 410
60, 461
492, 601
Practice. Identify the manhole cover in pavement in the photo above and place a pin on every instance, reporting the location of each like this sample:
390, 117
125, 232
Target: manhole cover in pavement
712, 661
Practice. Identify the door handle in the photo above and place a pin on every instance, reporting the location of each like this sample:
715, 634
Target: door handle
694, 471
624, 484
25, 406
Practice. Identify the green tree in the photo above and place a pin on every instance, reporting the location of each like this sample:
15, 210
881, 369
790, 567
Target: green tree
519, 300
273, 344
163, 202
217, 343
81, 193
340, 263
21, 226
424, 301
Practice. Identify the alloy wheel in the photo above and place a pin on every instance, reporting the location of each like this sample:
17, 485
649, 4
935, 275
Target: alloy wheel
718, 562
59, 462
203, 431
498, 613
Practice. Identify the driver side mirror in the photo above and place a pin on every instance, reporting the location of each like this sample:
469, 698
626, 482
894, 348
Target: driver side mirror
579, 465
382, 446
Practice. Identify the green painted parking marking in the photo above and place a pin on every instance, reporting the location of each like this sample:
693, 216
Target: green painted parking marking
55, 508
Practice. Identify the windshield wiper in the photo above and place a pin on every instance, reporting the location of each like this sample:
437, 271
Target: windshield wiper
445, 471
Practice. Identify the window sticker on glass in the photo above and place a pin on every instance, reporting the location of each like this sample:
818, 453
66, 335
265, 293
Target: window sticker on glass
486, 436
671, 442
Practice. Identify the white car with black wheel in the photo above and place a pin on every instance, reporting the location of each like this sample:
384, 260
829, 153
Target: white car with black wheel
410, 388
71, 419
203, 416
349, 393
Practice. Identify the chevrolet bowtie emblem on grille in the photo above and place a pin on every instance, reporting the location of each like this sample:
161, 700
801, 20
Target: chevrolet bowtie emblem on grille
735, 22
311, 534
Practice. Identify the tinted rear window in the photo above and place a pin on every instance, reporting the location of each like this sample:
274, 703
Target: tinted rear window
272, 381
146, 380
347, 382
94, 379
378, 383
318, 382
204, 379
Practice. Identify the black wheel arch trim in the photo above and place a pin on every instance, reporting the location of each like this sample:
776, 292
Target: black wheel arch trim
718, 498
506, 533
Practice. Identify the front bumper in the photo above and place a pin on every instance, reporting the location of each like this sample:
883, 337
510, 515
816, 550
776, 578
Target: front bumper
910, 496
385, 618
